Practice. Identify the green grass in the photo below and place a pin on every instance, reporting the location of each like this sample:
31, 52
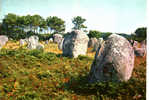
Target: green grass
36, 75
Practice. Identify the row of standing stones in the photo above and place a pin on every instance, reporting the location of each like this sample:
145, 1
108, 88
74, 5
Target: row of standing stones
114, 58
32, 43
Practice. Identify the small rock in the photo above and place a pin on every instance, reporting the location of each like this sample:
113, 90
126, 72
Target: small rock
57, 38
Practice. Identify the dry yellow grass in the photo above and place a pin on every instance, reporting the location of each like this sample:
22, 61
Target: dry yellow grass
51, 47
12, 45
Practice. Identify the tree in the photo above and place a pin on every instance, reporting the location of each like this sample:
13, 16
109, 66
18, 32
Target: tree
141, 32
28, 22
21, 22
10, 22
37, 20
56, 25
43, 25
78, 23
94, 33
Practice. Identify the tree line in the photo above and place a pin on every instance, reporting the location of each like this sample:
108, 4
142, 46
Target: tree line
17, 27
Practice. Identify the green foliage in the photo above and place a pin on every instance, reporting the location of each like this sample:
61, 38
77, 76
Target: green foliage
94, 34
97, 34
43, 74
43, 37
140, 34
18, 27
78, 23
56, 24
37, 75
105, 35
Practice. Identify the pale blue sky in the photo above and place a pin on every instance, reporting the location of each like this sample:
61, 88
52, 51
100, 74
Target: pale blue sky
103, 15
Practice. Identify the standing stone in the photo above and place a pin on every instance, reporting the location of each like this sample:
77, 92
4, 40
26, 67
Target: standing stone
98, 44
3, 40
140, 51
57, 38
75, 44
92, 42
22, 42
33, 42
60, 44
114, 61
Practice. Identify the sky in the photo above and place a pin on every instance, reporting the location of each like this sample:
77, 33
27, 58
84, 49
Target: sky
117, 16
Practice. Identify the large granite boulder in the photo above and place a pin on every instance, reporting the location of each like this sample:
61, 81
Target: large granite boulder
75, 44
114, 61
57, 38
3, 40
32, 42
98, 44
92, 42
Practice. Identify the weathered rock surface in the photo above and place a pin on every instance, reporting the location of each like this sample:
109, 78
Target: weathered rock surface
140, 50
75, 44
92, 42
98, 44
3, 40
57, 38
60, 44
114, 61
33, 42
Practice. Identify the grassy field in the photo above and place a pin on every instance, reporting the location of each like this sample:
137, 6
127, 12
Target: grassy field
47, 75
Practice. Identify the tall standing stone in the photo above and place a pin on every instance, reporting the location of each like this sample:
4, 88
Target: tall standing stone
75, 44
114, 61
